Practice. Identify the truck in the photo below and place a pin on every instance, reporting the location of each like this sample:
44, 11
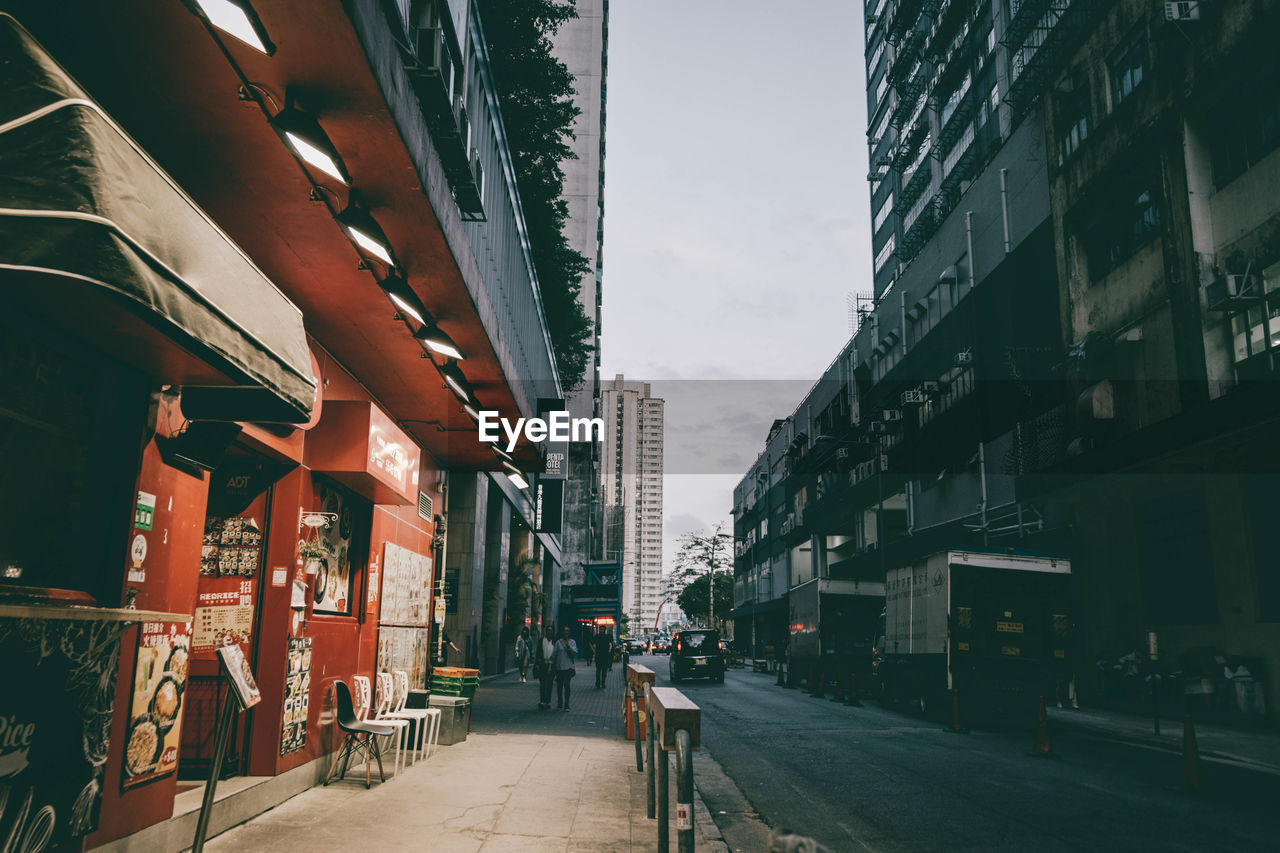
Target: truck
830, 629
992, 626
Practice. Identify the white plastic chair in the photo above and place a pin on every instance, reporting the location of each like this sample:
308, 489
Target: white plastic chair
427, 720
381, 716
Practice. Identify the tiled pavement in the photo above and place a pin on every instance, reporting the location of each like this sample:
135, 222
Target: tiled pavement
524, 780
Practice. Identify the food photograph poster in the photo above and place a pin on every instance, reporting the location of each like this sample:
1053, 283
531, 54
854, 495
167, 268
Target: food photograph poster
155, 716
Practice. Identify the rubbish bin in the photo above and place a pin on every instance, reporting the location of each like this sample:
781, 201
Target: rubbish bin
453, 718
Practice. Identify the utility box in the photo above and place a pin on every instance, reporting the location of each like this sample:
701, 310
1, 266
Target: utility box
454, 714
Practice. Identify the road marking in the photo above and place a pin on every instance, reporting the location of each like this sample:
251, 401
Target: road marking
1230, 762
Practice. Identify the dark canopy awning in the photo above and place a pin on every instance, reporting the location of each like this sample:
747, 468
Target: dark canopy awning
95, 237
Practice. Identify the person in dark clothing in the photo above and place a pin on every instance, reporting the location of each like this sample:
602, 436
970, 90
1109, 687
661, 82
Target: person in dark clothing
445, 645
562, 659
543, 652
604, 657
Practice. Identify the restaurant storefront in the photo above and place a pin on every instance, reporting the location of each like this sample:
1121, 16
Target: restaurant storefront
171, 483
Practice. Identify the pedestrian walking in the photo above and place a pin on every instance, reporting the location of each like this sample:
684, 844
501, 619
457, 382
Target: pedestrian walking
524, 651
604, 657
445, 645
562, 663
543, 653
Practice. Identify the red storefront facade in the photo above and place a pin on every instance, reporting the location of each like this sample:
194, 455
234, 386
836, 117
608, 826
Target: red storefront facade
208, 459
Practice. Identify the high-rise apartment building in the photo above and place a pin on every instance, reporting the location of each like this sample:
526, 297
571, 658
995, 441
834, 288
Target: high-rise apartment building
582, 44
631, 492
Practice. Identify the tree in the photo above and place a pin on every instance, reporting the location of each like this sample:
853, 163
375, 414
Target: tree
702, 555
535, 91
693, 598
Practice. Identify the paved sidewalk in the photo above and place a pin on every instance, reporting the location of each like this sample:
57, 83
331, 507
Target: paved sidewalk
1257, 749
524, 780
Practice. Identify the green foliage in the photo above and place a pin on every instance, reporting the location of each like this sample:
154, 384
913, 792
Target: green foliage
693, 598
536, 94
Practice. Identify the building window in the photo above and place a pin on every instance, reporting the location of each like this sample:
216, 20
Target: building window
874, 61
886, 251
1126, 226
1246, 126
1073, 115
881, 88
882, 213
1128, 65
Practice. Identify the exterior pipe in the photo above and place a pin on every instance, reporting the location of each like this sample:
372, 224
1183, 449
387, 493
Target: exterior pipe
1004, 210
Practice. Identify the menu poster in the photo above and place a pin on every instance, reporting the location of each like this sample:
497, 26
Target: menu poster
239, 676
224, 615
231, 547
155, 714
297, 696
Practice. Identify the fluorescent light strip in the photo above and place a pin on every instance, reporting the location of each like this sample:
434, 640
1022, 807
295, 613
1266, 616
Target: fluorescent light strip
512, 467
313, 155
404, 306
458, 389
442, 348
231, 19
470, 411
370, 245
519, 481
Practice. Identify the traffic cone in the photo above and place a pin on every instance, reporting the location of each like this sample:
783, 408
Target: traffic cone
1190, 756
956, 728
1044, 746
852, 699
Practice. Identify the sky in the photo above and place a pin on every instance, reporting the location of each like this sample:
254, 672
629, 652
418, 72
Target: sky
736, 222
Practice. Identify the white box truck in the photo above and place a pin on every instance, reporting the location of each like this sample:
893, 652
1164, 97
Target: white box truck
992, 625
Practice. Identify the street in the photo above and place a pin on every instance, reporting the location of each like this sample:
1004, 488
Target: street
871, 778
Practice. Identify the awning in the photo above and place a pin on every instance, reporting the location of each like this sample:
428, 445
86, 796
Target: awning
96, 239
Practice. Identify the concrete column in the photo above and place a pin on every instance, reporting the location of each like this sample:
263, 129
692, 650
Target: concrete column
497, 559
464, 561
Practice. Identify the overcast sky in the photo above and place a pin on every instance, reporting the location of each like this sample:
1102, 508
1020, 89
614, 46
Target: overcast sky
736, 221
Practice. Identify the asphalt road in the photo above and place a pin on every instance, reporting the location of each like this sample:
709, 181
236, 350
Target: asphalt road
873, 778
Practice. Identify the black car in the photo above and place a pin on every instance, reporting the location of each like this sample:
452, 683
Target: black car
696, 654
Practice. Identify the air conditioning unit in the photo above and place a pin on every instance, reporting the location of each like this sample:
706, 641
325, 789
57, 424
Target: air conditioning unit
1226, 291
931, 387
873, 142
876, 177
913, 397
1182, 10
891, 415
962, 358
842, 453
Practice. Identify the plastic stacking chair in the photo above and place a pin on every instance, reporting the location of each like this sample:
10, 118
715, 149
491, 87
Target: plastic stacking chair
363, 697
382, 716
427, 720
362, 737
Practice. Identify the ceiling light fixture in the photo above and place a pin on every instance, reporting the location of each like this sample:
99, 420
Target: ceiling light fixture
235, 18
435, 338
518, 479
307, 139
365, 232
457, 381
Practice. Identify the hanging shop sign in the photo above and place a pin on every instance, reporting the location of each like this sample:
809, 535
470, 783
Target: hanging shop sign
548, 506
360, 447
155, 713
297, 696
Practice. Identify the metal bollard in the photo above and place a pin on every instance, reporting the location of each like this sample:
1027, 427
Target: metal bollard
649, 782
664, 803
684, 792
635, 727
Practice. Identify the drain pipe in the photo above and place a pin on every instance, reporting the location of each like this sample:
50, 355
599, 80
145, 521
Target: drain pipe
1004, 211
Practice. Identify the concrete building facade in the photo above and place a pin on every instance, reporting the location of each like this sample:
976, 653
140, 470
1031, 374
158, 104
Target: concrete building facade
631, 466
582, 44
1070, 349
